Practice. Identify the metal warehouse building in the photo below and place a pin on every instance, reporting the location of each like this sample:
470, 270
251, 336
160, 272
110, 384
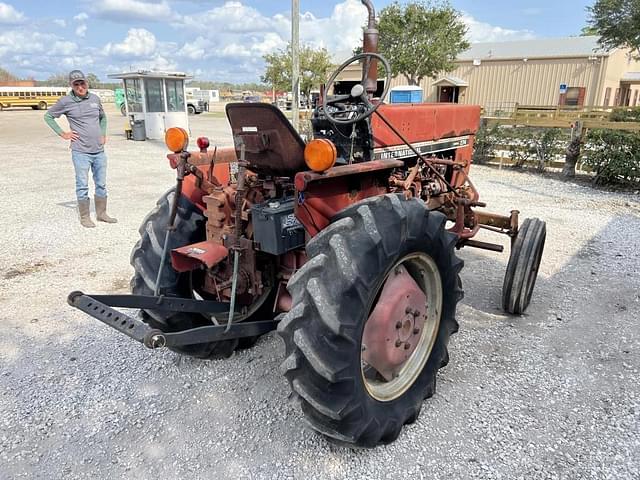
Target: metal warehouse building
554, 71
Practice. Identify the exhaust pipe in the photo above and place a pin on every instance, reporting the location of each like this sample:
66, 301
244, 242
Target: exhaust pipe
370, 45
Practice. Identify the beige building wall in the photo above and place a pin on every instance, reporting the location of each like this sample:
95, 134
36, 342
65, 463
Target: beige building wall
617, 64
535, 82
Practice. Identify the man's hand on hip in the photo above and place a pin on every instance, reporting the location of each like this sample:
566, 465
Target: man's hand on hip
103, 140
70, 135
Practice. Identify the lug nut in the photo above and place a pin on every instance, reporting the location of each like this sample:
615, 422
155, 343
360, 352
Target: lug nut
398, 343
409, 311
407, 346
416, 331
398, 325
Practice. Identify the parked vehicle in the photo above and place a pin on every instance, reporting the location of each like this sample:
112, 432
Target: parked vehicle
195, 105
38, 98
119, 99
346, 244
207, 96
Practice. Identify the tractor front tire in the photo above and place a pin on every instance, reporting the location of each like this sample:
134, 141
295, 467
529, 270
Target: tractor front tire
145, 259
334, 294
522, 269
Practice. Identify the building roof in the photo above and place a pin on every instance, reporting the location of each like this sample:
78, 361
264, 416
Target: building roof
452, 81
406, 88
538, 48
150, 74
631, 77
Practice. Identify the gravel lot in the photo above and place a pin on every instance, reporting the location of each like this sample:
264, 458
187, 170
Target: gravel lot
552, 394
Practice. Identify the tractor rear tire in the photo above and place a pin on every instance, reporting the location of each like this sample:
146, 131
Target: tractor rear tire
522, 269
145, 259
333, 295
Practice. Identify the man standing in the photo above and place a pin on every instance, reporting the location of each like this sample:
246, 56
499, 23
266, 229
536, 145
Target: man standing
88, 135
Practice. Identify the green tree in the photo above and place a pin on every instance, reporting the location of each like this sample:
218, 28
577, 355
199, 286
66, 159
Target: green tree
94, 81
56, 80
421, 39
315, 66
618, 23
588, 30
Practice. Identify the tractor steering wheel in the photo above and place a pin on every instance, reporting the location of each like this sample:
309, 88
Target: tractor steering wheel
358, 96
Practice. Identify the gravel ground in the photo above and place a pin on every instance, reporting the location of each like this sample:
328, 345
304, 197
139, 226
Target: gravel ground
552, 394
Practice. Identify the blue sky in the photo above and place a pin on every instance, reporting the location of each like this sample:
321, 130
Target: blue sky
224, 40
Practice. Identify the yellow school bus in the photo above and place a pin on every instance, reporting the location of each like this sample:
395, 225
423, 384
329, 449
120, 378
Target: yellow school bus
39, 98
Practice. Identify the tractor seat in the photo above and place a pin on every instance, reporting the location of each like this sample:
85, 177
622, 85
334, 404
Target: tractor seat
272, 146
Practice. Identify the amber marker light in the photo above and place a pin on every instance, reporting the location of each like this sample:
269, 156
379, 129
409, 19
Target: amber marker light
320, 154
177, 139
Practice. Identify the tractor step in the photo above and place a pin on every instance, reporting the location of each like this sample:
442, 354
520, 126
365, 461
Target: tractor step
100, 308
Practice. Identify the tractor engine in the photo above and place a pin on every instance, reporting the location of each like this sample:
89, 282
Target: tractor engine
268, 228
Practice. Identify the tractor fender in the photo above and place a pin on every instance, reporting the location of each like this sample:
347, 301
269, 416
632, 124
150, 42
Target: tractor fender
320, 196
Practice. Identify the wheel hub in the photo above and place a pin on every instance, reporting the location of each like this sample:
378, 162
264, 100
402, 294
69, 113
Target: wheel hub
395, 325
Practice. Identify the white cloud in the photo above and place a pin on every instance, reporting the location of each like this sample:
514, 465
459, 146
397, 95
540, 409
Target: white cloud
43, 55
231, 17
485, 32
9, 15
226, 42
198, 49
138, 43
81, 30
340, 33
12, 42
235, 29
132, 10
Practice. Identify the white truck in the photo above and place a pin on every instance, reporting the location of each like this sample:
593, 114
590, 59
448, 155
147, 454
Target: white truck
202, 97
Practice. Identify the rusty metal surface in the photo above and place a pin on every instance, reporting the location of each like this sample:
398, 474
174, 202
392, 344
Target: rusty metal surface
394, 327
191, 257
425, 121
493, 219
219, 154
320, 202
303, 179
483, 245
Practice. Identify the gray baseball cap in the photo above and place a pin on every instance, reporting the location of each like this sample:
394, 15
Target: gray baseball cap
75, 75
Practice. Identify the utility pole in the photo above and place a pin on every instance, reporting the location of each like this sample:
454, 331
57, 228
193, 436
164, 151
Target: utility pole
295, 62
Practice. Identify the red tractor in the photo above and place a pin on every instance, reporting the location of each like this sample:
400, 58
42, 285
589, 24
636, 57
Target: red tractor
345, 244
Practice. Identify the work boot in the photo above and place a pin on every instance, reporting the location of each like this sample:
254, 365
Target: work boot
85, 217
101, 210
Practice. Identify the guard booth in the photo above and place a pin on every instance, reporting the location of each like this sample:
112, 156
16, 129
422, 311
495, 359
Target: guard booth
155, 102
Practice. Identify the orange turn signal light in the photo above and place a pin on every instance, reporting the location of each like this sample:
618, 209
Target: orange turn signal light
177, 139
320, 154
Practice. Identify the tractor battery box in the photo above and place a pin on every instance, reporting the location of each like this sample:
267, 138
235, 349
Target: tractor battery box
276, 229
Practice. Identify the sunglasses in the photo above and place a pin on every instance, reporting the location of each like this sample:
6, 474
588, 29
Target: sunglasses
80, 84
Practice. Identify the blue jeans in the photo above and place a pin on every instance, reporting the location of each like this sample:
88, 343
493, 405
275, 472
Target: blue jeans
97, 162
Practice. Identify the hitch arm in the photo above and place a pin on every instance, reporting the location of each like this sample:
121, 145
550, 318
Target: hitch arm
100, 308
